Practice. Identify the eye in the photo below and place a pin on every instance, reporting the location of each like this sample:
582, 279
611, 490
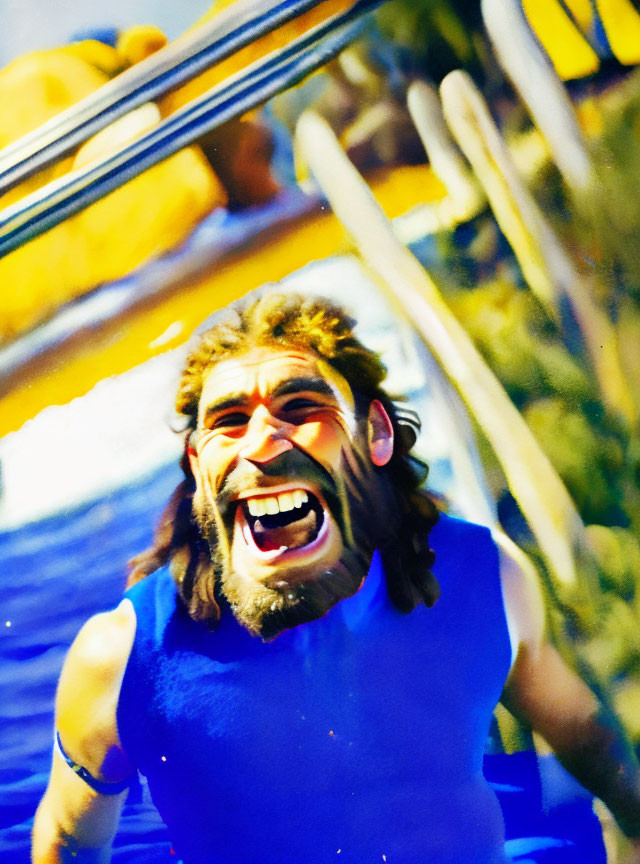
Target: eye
299, 403
230, 421
297, 410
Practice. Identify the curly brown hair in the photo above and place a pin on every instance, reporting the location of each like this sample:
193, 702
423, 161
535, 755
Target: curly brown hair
319, 326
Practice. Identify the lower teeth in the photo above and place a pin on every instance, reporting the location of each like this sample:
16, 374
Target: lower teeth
292, 535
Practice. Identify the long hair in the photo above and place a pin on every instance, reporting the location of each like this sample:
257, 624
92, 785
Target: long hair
318, 326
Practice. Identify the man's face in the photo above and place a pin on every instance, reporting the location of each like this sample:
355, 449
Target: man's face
278, 462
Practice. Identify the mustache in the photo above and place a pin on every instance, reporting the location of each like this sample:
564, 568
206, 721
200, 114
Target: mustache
289, 466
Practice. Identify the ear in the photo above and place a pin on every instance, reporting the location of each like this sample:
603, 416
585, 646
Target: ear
379, 434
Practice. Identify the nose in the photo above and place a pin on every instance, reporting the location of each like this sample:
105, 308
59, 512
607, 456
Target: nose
266, 437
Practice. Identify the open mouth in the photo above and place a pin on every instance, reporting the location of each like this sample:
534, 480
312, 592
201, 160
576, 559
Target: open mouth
284, 521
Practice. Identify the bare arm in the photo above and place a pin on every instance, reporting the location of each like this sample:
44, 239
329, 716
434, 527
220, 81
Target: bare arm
74, 823
546, 695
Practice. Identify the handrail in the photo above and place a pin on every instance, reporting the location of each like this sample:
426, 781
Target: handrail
177, 63
67, 195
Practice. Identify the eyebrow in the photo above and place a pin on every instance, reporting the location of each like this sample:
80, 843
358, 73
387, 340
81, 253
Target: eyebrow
302, 384
231, 400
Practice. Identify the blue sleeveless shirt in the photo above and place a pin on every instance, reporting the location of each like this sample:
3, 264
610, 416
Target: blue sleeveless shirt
355, 738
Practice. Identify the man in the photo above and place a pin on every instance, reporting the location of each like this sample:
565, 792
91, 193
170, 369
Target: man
263, 671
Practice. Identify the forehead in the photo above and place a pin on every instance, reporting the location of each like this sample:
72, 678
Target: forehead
260, 370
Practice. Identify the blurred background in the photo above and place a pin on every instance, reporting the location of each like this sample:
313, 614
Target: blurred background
28, 25
496, 271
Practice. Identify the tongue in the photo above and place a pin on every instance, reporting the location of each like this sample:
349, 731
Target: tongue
293, 535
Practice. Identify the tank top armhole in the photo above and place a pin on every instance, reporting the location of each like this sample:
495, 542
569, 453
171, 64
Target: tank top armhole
454, 530
151, 599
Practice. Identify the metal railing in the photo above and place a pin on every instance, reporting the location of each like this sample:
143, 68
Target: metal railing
170, 67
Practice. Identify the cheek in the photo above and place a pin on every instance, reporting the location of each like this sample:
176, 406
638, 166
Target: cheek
214, 459
324, 441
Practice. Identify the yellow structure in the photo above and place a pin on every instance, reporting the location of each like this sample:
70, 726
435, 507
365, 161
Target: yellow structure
145, 332
158, 209
149, 215
569, 43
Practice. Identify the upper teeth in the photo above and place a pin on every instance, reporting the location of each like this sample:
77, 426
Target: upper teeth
277, 503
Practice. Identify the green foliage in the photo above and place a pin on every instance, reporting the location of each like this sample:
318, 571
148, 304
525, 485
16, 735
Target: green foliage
589, 460
517, 340
618, 553
441, 34
616, 649
611, 209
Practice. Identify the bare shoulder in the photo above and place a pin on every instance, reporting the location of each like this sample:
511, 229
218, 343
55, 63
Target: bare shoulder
89, 687
74, 818
522, 594
104, 642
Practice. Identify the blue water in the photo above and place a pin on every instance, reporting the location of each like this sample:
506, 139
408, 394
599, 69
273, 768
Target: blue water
57, 572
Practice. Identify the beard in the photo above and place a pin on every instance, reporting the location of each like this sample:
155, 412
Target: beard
360, 501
